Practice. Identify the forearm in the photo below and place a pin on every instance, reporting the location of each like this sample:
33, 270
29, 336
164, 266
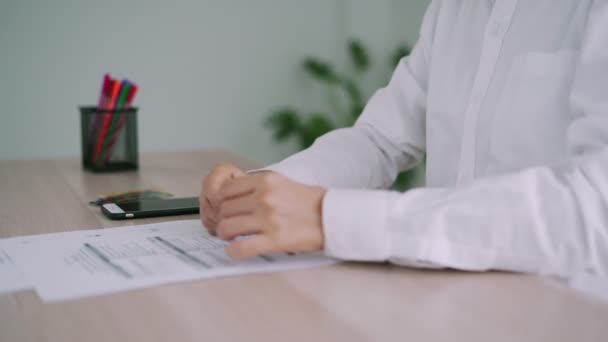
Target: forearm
352, 157
541, 220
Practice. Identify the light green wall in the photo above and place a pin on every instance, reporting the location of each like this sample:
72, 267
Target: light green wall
209, 71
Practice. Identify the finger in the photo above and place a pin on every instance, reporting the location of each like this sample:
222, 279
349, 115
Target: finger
237, 206
237, 187
230, 228
216, 179
236, 172
201, 200
251, 246
209, 211
209, 225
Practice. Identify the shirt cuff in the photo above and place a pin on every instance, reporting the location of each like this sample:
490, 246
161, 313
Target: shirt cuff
355, 224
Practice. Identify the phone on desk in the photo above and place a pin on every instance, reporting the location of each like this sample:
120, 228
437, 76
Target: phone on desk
151, 208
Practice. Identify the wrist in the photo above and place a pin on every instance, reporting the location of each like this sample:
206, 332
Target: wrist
318, 196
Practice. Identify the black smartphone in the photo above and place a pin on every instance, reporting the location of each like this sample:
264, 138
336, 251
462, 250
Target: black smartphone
151, 207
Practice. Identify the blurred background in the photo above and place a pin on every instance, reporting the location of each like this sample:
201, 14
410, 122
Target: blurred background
210, 73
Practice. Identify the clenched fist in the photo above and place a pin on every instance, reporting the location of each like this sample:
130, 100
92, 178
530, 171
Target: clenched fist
273, 213
210, 197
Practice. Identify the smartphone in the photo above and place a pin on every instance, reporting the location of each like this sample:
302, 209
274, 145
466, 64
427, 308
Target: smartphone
151, 207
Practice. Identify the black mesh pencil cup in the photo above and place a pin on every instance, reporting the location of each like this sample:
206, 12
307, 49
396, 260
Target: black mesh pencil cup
109, 139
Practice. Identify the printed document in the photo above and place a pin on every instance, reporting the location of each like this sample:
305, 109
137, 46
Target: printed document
11, 278
109, 260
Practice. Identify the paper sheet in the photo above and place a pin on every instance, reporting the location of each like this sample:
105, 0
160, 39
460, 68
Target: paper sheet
109, 260
11, 278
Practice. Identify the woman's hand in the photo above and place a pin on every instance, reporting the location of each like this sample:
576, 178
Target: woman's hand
275, 214
210, 197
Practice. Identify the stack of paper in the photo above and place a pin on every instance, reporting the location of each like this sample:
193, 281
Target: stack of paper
91, 262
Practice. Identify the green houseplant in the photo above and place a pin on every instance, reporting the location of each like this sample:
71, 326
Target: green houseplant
289, 122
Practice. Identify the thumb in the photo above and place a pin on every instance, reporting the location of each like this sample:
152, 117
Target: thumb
237, 173
215, 198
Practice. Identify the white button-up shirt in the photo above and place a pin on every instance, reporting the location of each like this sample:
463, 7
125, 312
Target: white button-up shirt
509, 100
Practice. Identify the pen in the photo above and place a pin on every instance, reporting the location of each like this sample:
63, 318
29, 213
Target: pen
121, 122
111, 102
101, 103
120, 102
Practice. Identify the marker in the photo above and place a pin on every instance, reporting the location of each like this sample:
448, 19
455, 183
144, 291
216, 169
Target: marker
110, 104
121, 122
120, 102
101, 103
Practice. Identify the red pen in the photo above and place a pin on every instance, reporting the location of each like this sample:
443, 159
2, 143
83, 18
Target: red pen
107, 117
121, 122
103, 96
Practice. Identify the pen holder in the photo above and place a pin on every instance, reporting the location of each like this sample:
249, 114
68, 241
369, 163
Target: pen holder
109, 139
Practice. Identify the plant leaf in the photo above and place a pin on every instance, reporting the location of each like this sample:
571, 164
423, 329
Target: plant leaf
320, 70
405, 180
315, 126
354, 93
284, 122
356, 111
358, 55
402, 51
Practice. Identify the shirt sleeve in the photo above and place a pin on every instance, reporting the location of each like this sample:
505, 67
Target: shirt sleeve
388, 137
547, 220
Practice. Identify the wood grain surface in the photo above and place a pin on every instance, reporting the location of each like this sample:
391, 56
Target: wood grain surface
346, 302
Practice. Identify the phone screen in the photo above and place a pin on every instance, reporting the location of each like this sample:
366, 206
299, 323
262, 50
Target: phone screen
160, 204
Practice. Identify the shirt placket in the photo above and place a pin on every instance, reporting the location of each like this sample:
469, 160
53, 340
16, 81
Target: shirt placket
496, 29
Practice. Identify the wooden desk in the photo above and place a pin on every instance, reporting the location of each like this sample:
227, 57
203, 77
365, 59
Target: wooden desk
349, 302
